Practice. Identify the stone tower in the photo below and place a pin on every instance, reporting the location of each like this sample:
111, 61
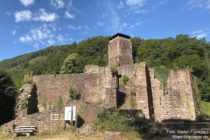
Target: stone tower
120, 50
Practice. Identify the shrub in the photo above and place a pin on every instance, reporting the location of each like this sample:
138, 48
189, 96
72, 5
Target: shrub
112, 121
74, 94
125, 79
113, 69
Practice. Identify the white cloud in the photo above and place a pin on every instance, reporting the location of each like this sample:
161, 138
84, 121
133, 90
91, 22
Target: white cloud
41, 15
135, 3
24, 15
71, 27
205, 4
37, 34
69, 15
27, 2
44, 35
57, 3
100, 23
199, 34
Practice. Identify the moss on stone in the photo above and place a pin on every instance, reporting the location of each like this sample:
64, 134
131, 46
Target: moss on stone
161, 73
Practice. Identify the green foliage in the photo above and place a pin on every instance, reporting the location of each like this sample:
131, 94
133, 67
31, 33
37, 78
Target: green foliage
73, 93
8, 95
204, 106
113, 69
80, 111
133, 100
49, 105
112, 121
44, 103
59, 103
28, 77
176, 53
70, 64
161, 73
23, 104
124, 79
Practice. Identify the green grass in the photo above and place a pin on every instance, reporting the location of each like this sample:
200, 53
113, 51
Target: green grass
205, 107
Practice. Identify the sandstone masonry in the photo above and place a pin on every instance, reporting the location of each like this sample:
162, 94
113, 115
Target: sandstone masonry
130, 88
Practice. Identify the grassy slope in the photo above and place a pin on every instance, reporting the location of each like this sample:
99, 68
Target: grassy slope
205, 107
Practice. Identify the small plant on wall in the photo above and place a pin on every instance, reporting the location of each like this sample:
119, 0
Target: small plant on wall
124, 79
59, 102
74, 94
44, 103
23, 104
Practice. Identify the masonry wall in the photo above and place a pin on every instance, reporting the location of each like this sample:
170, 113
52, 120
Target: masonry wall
45, 122
138, 83
120, 51
178, 102
94, 87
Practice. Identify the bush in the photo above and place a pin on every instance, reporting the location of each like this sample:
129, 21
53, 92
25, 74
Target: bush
74, 94
125, 79
112, 121
113, 69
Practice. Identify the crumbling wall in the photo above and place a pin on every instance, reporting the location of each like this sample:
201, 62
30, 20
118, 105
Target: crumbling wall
96, 85
45, 122
137, 83
27, 100
109, 83
143, 94
178, 102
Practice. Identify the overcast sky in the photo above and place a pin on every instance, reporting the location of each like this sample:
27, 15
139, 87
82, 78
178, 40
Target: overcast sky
30, 25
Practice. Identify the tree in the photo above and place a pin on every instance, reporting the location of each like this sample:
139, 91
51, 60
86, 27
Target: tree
69, 64
7, 97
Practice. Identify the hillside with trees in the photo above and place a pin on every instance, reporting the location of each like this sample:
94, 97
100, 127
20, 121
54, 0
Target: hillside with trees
182, 52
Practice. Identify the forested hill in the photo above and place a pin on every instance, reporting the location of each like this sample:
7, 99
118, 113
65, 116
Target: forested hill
180, 52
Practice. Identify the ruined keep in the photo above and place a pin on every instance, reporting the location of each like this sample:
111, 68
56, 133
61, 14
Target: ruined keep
131, 87
120, 50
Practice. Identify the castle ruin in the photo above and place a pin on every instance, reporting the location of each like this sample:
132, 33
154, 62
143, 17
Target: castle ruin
98, 85
133, 87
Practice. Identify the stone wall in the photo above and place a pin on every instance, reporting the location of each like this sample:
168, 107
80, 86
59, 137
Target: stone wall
138, 83
45, 122
178, 102
108, 82
120, 51
96, 85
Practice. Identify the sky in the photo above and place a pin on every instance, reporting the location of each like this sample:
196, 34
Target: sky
31, 25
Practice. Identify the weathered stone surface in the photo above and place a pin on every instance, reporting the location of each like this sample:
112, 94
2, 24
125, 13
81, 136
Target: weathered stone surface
45, 122
120, 51
179, 102
94, 87
113, 135
88, 129
27, 100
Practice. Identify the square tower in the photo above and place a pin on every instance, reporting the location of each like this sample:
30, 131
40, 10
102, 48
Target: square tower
120, 50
